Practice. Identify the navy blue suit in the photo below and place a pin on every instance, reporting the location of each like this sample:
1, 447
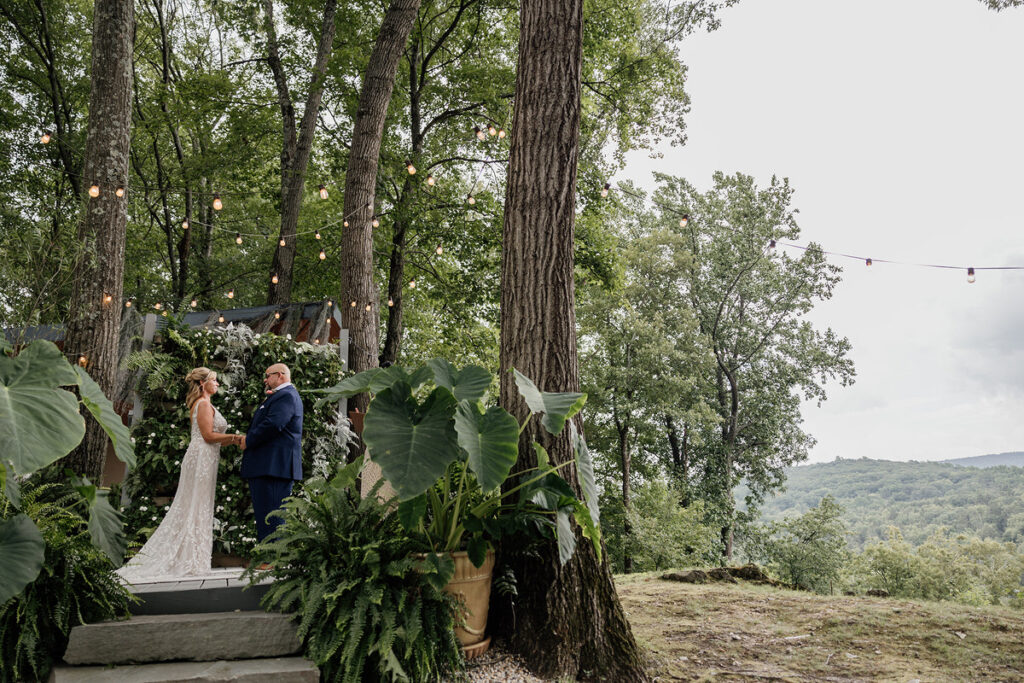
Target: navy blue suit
272, 460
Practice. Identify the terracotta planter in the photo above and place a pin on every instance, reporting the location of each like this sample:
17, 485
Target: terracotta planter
471, 586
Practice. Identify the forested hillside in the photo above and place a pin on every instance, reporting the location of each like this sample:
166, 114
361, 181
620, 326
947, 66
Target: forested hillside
917, 497
1014, 459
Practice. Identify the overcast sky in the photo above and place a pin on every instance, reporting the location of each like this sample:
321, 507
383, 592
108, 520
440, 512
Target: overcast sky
900, 123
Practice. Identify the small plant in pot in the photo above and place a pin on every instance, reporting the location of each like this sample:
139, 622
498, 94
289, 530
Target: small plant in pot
449, 458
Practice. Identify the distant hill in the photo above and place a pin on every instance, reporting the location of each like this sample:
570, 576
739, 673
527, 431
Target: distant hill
918, 497
1014, 459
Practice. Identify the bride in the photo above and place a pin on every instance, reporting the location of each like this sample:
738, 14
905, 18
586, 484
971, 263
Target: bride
183, 543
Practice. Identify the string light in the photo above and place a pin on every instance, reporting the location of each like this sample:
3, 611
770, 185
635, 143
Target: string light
231, 294
45, 137
238, 238
158, 305
277, 315
439, 250
193, 303
479, 133
281, 242
128, 304
317, 234
163, 313
604, 190
409, 167
119, 192
867, 262
412, 284
376, 222
501, 132
274, 279
471, 199
330, 302
492, 130
353, 304
430, 180
345, 224
323, 255
970, 275
94, 190
220, 319
82, 361
391, 302
323, 192
368, 307
184, 224
107, 298
684, 220
317, 340
217, 203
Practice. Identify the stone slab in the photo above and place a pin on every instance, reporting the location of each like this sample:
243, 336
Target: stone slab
211, 595
189, 637
273, 670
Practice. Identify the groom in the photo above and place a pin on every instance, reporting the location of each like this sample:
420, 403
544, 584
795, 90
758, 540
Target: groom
272, 460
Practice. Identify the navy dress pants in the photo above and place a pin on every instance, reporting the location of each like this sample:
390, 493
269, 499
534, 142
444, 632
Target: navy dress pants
267, 495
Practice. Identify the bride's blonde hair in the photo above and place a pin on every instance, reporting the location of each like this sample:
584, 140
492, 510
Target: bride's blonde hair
195, 379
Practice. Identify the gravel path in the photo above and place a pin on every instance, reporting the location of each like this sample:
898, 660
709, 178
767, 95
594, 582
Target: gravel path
499, 666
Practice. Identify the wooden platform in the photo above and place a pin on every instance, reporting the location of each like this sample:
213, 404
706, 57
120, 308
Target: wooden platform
219, 591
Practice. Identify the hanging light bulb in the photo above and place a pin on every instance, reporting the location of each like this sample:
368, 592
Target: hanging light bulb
323, 255
277, 315
163, 313
238, 238
604, 190
376, 222
368, 307
317, 234
281, 242
317, 340
970, 275
220, 319
193, 303
867, 262
353, 304
391, 302
128, 304
345, 224
107, 298
158, 305
217, 203
184, 224
274, 279
439, 250
45, 137
94, 190
684, 220
330, 302
119, 192
471, 199
501, 132
83, 361
492, 130
323, 192
231, 294
479, 133
412, 284
430, 180
409, 167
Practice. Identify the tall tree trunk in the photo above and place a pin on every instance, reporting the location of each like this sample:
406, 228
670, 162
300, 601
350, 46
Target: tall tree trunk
396, 277
94, 321
622, 427
296, 145
357, 282
680, 457
569, 621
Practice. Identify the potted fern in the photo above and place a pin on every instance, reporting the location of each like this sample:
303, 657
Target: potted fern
449, 458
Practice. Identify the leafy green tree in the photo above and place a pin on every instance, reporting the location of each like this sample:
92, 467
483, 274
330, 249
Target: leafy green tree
750, 304
664, 534
809, 551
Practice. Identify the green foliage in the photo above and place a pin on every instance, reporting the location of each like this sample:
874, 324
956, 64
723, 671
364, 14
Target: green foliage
809, 551
449, 459
919, 497
368, 608
161, 437
76, 585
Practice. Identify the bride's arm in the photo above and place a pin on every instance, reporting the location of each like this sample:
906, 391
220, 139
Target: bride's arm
204, 417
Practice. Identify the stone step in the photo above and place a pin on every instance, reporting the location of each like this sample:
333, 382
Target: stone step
189, 637
218, 592
273, 670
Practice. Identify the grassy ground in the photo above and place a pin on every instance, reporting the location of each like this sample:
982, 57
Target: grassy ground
725, 632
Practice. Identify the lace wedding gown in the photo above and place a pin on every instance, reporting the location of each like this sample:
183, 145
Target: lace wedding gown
183, 543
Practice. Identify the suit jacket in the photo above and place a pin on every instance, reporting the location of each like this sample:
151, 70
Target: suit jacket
273, 444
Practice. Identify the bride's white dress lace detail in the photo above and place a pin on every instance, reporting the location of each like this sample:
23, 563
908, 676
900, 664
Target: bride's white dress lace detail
183, 543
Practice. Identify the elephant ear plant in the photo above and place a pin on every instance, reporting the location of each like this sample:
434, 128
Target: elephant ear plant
449, 457
40, 423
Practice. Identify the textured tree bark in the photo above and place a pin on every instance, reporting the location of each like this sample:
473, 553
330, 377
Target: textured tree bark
568, 621
296, 146
357, 284
622, 427
94, 319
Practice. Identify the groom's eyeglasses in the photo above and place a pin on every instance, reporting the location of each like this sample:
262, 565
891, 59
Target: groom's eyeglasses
267, 375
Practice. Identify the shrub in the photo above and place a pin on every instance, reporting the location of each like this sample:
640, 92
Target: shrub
76, 585
368, 609
239, 356
809, 551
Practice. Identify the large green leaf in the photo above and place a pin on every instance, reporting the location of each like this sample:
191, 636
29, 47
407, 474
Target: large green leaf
491, 439
9, 486
103, 410
411, 512
350, 386
21, 555
566, 536
105, 525
585, 470
412, 444
39, 422
556, 406
468, 384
